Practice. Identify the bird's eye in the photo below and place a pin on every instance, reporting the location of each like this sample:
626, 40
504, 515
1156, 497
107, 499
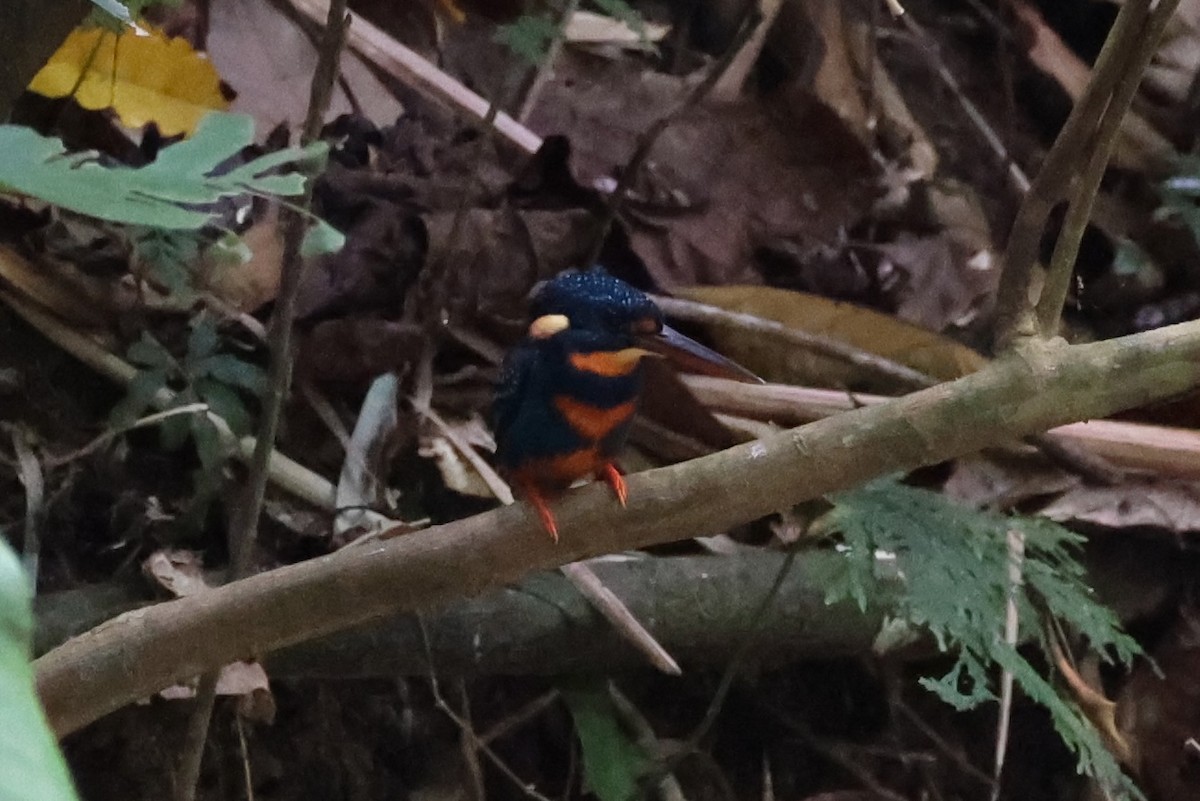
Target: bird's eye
647, 325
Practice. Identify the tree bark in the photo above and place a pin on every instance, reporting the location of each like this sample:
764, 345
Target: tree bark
1043, 386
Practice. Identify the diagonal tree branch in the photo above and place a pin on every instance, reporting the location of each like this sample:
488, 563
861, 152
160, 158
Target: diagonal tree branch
1046, 385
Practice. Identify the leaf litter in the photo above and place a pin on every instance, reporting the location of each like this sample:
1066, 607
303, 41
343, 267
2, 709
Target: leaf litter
743, 191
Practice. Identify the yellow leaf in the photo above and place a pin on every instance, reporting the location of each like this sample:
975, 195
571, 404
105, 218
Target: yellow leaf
143, 77
915, 347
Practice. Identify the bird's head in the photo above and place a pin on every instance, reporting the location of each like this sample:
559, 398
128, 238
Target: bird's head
592, 311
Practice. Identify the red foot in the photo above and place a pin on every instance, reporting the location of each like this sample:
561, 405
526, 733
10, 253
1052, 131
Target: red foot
613, 478
542, 507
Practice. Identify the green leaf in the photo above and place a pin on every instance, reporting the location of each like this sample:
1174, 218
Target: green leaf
178, 190
225, 403
114, 9
139, 396
174, 431
529, 36
202, 343
321, 239
31, 766
149, 352
208, 443
168, 255
229, 369
955, 567
612, 761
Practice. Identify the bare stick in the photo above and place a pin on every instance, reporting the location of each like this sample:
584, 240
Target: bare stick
465, 726
1044, 387
196, 735
1016, 176
383, 51
870, 363
545, 67
244, 524
1062, 264
1015, 313
650, 136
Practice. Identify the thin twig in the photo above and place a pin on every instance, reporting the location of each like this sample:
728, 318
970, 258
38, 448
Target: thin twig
1062, 264
951, 751
280, 373
649, 138
1016, 316
519, 718
1012, 626
467, 744
869, 363
381, 50
244, 524
545, 67
29, 471
465, 726
247, 775
929, 49
192, 750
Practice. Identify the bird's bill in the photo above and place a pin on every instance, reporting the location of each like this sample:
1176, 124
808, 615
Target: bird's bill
691, 357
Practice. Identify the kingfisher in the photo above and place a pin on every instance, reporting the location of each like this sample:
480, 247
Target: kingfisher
569, 389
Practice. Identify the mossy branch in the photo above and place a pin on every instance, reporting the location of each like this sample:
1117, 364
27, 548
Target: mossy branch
136, 654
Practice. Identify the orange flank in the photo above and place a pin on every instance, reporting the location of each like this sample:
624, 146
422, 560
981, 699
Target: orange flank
593, 423
609, 363
534, 479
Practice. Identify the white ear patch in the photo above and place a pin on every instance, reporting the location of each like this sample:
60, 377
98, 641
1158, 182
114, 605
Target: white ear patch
548, 325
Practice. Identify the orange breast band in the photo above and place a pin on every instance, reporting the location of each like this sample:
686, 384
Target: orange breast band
593, 422
608, 363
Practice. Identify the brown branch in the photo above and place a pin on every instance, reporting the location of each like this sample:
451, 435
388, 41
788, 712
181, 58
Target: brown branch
1062, 263
90, 676
887, 371
244, 524
1015, 313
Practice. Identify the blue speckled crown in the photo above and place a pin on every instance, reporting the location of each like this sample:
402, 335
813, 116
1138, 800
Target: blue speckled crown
594, 300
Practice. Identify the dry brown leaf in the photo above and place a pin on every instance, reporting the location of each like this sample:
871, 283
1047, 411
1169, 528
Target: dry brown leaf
180, 572
724, 179
1169, 505
1140, 146
269, 61
588, 27
836, 84
943, 285
1004, 481
915, 347
255, 283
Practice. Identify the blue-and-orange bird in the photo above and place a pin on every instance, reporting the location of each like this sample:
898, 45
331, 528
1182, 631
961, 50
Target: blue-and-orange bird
570, 387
